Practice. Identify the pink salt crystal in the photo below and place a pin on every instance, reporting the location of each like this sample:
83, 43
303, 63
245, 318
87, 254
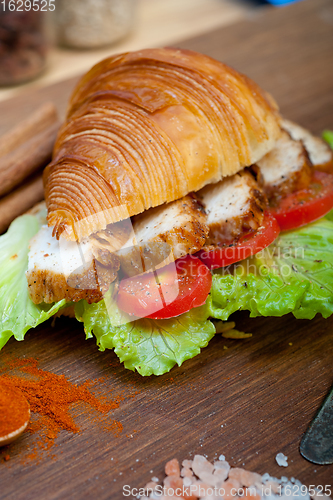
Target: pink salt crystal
171, 486
167, 497
199, 489
229, 496
186, 472
221, 464
188, 495
259, 486
250, 478
172, 497
209, 479
151, 485
252, 495
245, 477
173, 482
187, 463
221, 473
200, 465
273, 486
172, 468
187, 481
228, 485
236, 473
233, 482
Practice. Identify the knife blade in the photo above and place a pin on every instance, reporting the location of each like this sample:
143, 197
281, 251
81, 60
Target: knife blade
317, 442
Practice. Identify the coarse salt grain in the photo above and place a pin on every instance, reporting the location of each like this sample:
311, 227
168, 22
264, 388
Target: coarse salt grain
186, 472
281, 460
187, 481
172, 468
209, 478
221, 465
245, 477
151, 485
201, 465
229, 478
222, 473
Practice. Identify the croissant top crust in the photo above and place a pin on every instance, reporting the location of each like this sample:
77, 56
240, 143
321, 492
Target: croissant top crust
148, 127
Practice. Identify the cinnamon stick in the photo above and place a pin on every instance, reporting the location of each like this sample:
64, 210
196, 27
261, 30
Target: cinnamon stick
20, 200
27, 147
41, 119
26, 159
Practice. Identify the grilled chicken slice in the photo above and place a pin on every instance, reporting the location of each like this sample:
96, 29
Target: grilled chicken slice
285, 169
61, 269
163, 234
233, 206
320, 153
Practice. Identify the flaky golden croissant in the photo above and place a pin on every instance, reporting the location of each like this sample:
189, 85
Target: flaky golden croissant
148, 127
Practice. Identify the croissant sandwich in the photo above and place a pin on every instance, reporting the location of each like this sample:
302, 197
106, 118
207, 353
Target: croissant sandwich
177, 194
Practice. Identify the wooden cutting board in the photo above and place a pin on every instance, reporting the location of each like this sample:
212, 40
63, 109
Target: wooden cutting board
249, 401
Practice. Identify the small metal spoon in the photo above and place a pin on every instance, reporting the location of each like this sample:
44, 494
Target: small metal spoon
317, 442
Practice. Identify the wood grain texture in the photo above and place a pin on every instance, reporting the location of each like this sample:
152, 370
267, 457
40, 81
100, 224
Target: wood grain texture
263, 390
21, 199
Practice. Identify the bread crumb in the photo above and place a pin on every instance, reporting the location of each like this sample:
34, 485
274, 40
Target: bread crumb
235, 334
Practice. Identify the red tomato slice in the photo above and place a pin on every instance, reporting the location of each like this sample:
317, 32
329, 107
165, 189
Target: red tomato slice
247, 245
306, 205
166, 292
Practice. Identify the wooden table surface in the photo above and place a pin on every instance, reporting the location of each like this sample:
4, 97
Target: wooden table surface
263, 390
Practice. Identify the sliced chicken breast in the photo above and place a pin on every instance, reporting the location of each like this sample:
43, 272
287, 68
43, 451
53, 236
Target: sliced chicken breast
284, 169
163, 234
62, 269
233, 206
320, 153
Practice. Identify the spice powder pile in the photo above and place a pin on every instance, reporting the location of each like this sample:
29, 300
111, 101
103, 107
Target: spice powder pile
51, 397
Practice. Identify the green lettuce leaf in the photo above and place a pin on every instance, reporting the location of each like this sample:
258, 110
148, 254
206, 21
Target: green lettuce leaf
148, 346
17, 311
294, 274
328, 137
329, 216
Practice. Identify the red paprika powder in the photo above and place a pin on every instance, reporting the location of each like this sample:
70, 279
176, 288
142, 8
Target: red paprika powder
14, 411
51, 397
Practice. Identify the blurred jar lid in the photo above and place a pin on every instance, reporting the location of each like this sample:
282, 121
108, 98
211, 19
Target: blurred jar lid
86, 24
282, 2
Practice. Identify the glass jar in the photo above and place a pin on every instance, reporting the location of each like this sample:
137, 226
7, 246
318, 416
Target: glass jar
86, 24
23, 46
